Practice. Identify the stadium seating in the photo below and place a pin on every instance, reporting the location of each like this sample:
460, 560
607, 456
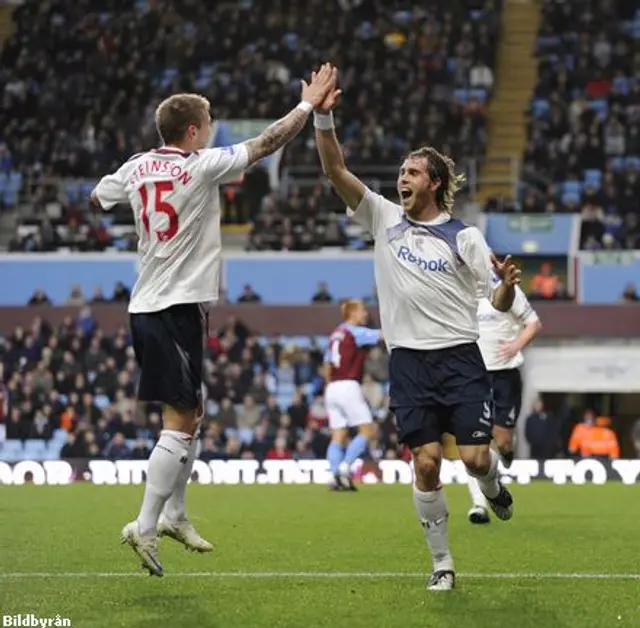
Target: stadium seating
406, 77
95, 426
584, 148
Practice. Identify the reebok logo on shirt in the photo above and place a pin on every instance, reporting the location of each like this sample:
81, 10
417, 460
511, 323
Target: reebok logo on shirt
433, 265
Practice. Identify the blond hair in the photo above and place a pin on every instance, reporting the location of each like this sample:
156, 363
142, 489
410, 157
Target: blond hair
443, 169
177, 113
348, 306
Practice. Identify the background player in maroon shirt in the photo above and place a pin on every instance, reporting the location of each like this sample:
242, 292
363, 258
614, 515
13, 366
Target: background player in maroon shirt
346, 405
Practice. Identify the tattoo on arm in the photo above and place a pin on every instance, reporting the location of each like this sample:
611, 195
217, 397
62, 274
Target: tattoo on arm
276, 135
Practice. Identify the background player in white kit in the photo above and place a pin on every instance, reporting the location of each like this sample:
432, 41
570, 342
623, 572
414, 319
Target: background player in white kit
429, 268
173, 192
503, 336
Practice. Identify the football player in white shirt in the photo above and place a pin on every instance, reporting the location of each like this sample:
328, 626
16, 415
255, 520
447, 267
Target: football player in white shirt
173, 192
429, 269
503, 336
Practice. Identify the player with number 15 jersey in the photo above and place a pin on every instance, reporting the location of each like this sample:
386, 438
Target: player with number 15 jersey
173, 192
175, 200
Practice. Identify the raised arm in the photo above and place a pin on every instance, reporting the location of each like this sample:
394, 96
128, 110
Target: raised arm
350, 189
284, 130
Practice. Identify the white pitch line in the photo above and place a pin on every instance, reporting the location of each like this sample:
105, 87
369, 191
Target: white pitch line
327, 575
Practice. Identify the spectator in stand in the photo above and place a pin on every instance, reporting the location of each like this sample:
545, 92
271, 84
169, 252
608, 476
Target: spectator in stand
630, 294
83, 381
544, 284
39, 297
98, 295
81, 134
249, 296
121, 294
583, 154
117, 449
539, 432
322, 295
280, 450
75, 298
248, 419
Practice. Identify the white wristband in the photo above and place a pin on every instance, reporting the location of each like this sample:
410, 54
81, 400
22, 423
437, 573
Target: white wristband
322, 121
305, 106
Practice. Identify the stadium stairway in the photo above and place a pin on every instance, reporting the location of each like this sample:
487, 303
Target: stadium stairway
8, 226
6, 23
516, 73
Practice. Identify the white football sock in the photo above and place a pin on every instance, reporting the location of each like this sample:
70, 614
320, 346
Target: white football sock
175, 508
433, 514
476, 494
166, 462
489, 483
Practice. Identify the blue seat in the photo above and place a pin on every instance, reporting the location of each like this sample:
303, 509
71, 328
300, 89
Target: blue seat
286, 388
54, 448
284, 401
322, 342
59, 436
101, 401
478, 94
304, 342
10, 197
12, 450
540, 108
15, 180
621, 85
601, 107
572, 187
202, 82
632, 163
617, 164
568, 198
593, 179
461, 95
35, 449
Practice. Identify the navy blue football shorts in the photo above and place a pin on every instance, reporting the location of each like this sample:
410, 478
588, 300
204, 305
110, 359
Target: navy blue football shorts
169, 348
507, 396
438, 391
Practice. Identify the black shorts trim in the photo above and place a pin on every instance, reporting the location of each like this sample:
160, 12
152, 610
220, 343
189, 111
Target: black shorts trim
169, 348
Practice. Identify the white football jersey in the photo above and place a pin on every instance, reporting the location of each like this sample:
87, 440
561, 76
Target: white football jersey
176, 206
497, 328
429, 276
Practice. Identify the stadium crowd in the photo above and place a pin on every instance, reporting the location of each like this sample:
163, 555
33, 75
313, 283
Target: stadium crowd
583, 154
71, 393
82, 81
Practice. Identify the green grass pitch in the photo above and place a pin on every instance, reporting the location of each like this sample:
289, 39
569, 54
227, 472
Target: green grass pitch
320, 559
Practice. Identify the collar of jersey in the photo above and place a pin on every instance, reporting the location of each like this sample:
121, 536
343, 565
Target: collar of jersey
440, 220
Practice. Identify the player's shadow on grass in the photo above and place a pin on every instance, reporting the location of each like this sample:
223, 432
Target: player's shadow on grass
166, 610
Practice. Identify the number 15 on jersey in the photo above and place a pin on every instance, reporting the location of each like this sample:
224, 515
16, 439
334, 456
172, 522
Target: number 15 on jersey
153, 200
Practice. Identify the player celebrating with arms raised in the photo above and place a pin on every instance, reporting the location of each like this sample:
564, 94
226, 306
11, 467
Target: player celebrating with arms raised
503, 336
429, 269
173, 192
345, 403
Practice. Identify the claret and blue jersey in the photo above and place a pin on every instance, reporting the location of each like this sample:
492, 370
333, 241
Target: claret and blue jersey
346, 354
